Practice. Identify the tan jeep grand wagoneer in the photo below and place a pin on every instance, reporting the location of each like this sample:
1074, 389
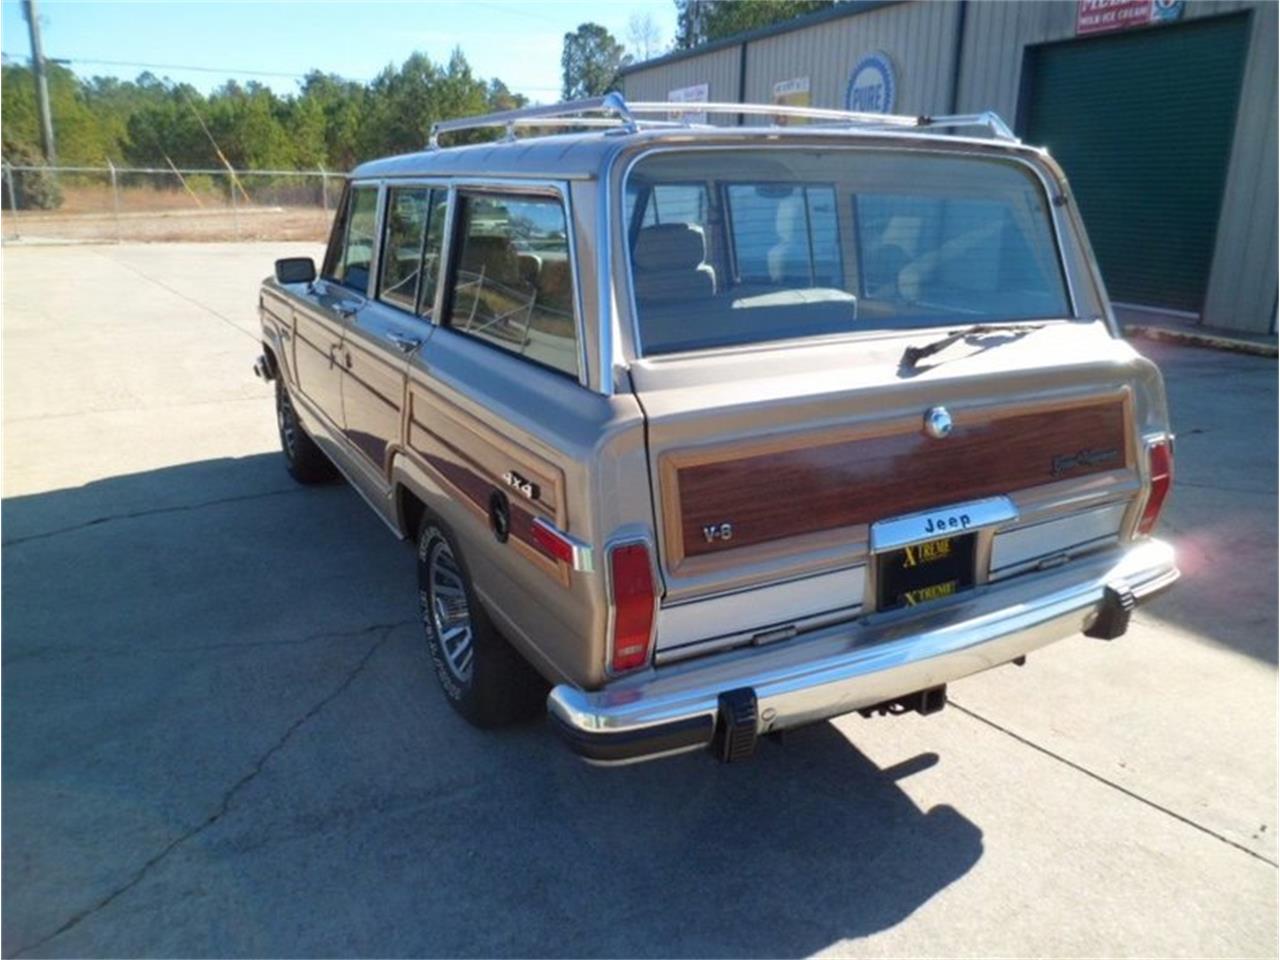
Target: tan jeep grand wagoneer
725, 429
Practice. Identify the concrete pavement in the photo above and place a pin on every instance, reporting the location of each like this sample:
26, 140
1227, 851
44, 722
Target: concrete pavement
222, 736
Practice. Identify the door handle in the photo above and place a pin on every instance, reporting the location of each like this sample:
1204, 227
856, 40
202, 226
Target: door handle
402, 343
346, 310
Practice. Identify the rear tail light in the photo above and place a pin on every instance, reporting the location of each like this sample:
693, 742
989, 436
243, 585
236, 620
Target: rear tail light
1160, 462
631, 580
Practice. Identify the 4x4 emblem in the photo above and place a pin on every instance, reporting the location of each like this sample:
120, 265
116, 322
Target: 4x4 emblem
525, 487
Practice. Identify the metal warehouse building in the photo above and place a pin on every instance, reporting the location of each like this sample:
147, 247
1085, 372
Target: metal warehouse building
1162, 112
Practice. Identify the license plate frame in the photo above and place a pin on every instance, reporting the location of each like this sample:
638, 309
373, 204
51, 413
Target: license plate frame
925, 572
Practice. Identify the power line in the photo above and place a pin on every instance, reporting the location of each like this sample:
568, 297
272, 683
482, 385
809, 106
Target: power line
225, 71
188, 66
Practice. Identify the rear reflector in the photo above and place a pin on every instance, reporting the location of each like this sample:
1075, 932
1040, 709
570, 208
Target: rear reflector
631, 576
1160, 459
558, 545
552, 541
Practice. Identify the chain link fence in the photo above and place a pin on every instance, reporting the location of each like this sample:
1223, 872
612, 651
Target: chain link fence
114, 204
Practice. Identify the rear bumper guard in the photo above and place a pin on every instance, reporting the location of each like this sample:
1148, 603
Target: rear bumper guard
854, 666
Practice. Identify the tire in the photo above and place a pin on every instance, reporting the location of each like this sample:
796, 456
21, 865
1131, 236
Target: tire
482, 676
303, 458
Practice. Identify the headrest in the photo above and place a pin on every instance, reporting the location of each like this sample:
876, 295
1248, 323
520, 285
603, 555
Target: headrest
493, 255
670, 246
789, 219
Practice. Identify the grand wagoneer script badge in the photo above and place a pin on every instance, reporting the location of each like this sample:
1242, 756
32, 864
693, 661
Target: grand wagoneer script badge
1067, 462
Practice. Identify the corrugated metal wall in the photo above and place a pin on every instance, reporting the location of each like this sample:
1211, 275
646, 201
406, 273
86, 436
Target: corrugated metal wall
1242, 281
920, 38
718, 69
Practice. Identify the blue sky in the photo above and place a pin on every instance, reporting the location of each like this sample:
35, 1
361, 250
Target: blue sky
518, 41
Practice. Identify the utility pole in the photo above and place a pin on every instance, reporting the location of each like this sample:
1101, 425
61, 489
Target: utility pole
42, 83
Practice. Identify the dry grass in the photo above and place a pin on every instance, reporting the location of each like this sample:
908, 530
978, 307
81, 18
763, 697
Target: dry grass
175, 224
161, 210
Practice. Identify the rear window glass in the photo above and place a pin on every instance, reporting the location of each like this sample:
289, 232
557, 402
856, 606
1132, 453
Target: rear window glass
763, 245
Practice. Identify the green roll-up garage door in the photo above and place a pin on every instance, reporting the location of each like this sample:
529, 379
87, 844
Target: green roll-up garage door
1142, 124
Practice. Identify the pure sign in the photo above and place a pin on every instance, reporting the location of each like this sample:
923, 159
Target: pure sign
871, 85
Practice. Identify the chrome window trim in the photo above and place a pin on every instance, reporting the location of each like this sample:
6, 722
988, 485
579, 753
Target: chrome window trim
446, 253
606, 302
1017, 155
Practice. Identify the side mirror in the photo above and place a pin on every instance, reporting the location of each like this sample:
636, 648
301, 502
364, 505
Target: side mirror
295, 270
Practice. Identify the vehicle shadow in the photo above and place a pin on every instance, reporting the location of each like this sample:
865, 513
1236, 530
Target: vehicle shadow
220, 721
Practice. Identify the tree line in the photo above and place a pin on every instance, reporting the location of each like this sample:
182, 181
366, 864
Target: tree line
330, 121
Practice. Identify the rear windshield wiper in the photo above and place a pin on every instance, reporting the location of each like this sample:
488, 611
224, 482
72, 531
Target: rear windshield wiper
913, 355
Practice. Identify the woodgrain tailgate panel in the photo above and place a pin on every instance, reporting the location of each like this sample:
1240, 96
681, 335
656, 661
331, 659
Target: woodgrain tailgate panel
804, 484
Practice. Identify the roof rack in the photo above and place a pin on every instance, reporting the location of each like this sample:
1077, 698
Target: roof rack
614, 112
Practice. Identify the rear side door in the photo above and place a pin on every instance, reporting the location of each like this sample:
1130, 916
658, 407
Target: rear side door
394, 323
500, 420
322, 313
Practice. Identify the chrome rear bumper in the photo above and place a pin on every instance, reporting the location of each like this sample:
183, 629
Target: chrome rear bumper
855, 665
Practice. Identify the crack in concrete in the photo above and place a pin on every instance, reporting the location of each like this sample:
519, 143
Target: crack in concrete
179, 508
228, 797
45, 654
1133, 795
102, 411
181, 296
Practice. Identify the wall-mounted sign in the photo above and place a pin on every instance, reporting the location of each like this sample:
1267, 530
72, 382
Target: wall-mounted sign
791, 93
1103, 16
872, 85
698, 93
1165, 10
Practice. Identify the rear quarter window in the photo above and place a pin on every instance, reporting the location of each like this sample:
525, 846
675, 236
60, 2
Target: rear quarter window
512, 283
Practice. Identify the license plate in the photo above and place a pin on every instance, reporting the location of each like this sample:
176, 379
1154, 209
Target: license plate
923, 572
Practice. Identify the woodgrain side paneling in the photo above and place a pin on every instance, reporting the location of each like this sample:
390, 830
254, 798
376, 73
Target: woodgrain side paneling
471, 458
804, 485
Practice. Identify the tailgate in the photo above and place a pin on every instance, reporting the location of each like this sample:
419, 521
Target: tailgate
770, 466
